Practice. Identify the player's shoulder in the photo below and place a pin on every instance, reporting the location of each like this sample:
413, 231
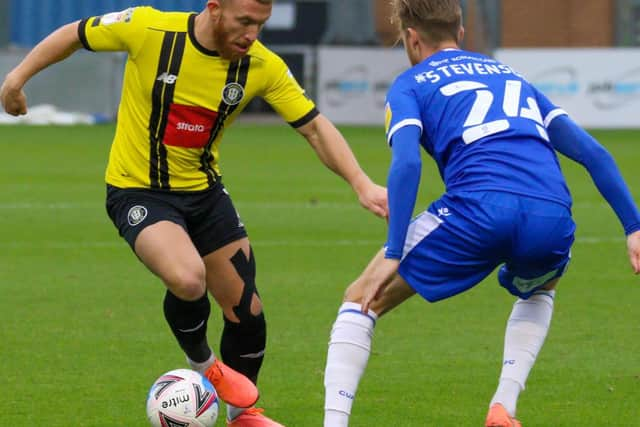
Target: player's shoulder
260, 52
406, 80
154, 18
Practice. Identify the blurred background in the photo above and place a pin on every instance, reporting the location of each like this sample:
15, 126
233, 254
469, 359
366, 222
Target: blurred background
580, 52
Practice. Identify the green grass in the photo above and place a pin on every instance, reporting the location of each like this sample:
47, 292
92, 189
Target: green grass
83, 336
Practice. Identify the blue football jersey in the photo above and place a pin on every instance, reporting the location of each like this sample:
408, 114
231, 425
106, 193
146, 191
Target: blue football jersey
484, 125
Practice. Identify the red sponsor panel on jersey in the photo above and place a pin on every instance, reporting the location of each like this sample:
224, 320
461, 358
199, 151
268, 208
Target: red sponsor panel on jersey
189, 126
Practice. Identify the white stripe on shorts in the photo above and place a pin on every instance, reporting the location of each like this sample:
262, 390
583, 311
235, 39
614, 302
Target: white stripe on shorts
420, 228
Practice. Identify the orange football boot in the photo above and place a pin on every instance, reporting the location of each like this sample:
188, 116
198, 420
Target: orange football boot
231, 386
499, 417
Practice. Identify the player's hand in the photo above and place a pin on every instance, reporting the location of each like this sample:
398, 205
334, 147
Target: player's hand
633, 247
374, 198
12, 97
378, 277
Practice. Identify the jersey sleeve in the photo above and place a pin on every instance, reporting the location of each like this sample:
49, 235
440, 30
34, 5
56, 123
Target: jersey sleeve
116, 31
575, 143
401, 110
402, 185
404, 129
286, 96
548, 110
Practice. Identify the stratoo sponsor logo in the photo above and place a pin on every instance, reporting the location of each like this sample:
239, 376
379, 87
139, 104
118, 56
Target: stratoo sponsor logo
189, 127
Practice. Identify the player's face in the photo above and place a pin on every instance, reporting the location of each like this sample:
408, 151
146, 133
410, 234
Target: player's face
239, 25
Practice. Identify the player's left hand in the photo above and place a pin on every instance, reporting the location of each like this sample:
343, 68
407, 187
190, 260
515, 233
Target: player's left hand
378, 276
374, 198
633, 247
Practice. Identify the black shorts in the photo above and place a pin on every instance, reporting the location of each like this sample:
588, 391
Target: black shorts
207, 216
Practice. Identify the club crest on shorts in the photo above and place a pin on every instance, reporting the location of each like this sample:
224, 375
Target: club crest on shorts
232, 93
136, 215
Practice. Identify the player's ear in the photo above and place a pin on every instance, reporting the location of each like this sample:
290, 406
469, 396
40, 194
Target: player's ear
215, 8
412, 39
460, 34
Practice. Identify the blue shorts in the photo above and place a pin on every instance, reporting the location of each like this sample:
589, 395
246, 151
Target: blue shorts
463, 237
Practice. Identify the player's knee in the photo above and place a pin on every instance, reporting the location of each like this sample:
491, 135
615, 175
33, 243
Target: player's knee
249, 325
186, 283
551, 285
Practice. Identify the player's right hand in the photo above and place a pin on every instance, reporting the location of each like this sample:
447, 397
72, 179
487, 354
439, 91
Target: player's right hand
374, 198
13, 99
633, 246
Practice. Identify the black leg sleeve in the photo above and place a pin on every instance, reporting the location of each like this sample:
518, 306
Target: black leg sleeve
188, 322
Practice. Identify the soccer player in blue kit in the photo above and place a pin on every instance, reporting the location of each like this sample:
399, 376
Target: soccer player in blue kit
493, 136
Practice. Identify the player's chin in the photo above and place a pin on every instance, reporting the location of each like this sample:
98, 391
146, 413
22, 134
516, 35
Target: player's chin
234, 54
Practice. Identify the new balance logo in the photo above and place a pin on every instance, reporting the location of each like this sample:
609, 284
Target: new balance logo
167, 78
190, 127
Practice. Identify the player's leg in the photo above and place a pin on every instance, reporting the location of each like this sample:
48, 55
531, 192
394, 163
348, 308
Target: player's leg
533, 274
444, 255
525, 334
167, 251
154, 227
350, 342
230, 267
231, 274
154, 224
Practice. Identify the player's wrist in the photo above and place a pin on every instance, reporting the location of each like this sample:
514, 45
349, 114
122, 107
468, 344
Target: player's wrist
14, 82
361, 183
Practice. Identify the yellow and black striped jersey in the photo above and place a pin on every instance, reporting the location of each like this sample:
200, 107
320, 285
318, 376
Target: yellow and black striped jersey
178, 97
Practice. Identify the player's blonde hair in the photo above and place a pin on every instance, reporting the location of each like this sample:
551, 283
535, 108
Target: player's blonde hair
436, 20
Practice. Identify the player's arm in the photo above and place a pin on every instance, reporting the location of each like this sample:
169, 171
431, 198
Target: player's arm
574, 142
402, 185
54, 48
334, 152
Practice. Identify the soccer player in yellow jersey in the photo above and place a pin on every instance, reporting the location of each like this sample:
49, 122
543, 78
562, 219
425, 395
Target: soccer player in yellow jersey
186, 79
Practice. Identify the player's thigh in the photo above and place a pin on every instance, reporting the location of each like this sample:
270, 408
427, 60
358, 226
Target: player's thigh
395, 293
213, 221
230, 276
542, 253
166, 250
449, 254
153, 225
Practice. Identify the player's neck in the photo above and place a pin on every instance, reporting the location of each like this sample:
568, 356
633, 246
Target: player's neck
427, 50
203, 32
432, 50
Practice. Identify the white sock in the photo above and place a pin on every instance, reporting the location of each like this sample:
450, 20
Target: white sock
347, 358
526, 331
202, 366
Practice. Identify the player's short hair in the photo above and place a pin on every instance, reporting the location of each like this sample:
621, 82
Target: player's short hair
435, 20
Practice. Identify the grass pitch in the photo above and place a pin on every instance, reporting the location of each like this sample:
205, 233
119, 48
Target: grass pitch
83, 335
